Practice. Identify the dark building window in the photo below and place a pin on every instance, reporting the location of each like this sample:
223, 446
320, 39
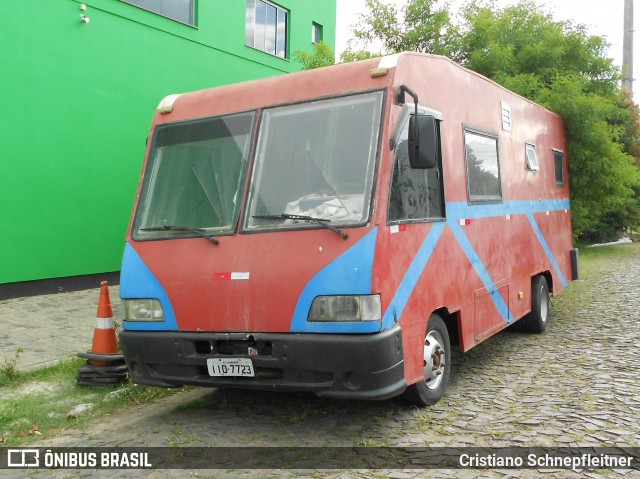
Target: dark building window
180, 10
316, 33
266, 28
558, 160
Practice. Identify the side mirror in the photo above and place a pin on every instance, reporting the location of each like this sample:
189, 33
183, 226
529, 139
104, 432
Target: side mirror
423, 142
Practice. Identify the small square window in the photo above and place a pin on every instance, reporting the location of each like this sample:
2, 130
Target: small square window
532, 158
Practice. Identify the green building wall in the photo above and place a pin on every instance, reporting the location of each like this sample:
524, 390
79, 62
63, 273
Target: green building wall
76, 102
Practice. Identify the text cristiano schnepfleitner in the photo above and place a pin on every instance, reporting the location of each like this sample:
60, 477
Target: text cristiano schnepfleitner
582, 461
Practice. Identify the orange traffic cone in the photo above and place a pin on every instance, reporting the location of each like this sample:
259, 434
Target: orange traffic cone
104, 335
105, 365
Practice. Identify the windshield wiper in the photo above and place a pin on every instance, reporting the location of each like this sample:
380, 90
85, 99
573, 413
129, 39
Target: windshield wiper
322, 222
198, 231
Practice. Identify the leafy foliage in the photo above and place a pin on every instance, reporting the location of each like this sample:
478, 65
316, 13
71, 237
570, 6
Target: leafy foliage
556, 64
320, 56
602, 175
426, 27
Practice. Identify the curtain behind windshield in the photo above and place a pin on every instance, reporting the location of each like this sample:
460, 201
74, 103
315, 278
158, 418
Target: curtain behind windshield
316, 159
195, 175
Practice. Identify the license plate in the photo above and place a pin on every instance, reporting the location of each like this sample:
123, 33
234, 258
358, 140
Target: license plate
230, 367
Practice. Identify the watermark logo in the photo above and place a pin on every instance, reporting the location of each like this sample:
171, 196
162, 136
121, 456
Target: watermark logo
23, 458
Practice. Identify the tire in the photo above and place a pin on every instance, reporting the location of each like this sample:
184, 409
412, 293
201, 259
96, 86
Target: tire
437, 366
536, 321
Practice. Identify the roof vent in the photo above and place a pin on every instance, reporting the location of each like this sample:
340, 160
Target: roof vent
166, 105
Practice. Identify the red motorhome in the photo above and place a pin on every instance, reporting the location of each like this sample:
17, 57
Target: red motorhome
339, 230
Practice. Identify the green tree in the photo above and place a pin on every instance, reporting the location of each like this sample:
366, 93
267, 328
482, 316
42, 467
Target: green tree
556, 64
523, 46
560, 66
425, 27
321, 56
604, 179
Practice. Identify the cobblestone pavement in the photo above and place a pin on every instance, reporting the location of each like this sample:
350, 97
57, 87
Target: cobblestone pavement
576, 385
50, 327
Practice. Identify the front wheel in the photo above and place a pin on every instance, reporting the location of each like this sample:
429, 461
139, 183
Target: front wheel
437, 366
536, 321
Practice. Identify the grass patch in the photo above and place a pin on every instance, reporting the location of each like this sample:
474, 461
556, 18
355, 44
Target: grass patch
593, 261
595, 258
43, 403
605, 252
592, 265
9, 369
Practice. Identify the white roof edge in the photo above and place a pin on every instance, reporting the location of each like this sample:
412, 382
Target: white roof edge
390, 61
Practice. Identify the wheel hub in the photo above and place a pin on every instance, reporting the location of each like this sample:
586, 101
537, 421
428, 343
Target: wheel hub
434, 360
544, 309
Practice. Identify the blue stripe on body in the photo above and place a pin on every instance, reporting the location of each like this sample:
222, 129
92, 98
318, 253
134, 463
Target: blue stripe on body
349, 274
480, 269
462, 210
545, 246
457, 211
138, 281
411, 277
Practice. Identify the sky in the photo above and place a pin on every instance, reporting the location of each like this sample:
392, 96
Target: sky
603, 18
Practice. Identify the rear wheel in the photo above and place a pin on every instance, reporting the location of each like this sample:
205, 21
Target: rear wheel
536, 321
437, 366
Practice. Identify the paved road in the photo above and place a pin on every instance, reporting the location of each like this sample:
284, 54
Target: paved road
576, 385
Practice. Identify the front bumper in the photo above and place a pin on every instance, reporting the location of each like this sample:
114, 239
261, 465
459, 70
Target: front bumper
358, 366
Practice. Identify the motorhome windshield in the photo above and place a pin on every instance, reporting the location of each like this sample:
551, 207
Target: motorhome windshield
194, 178
315, 160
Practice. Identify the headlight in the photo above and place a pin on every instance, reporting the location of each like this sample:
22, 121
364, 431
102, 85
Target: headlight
346, 308
142, 310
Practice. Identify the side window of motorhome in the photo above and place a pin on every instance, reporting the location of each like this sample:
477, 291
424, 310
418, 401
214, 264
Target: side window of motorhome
558, 160
532, 158
415, 194
483, 167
